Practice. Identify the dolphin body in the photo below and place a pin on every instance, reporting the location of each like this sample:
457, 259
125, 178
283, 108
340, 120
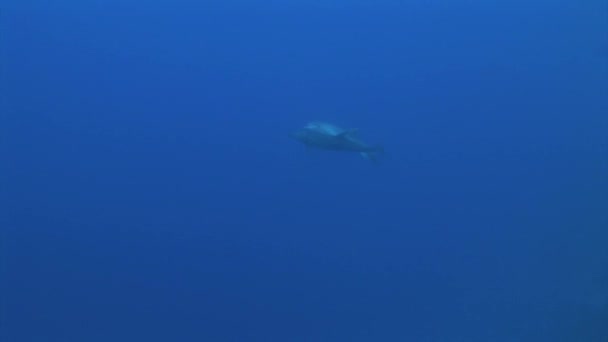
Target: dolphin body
326, 136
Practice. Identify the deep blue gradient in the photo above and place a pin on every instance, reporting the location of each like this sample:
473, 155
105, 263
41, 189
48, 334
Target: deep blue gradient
150, 191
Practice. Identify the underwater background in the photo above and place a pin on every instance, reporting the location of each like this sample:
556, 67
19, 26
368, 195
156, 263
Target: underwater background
150, 190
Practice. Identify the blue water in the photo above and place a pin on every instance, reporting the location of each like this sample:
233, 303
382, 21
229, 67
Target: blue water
150, 190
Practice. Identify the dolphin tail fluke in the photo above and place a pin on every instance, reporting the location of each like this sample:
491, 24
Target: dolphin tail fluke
374, 154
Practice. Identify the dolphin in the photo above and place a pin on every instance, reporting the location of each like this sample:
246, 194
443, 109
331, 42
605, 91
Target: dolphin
326, 136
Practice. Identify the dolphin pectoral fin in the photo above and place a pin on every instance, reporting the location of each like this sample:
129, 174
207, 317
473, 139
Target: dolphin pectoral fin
371, 156
374, 154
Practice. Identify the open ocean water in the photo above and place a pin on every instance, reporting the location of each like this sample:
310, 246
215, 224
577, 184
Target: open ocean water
150, 190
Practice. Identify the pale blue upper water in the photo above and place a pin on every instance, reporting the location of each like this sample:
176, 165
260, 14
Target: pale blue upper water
150, 190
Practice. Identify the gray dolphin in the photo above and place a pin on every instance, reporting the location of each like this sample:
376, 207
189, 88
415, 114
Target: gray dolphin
325, 136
